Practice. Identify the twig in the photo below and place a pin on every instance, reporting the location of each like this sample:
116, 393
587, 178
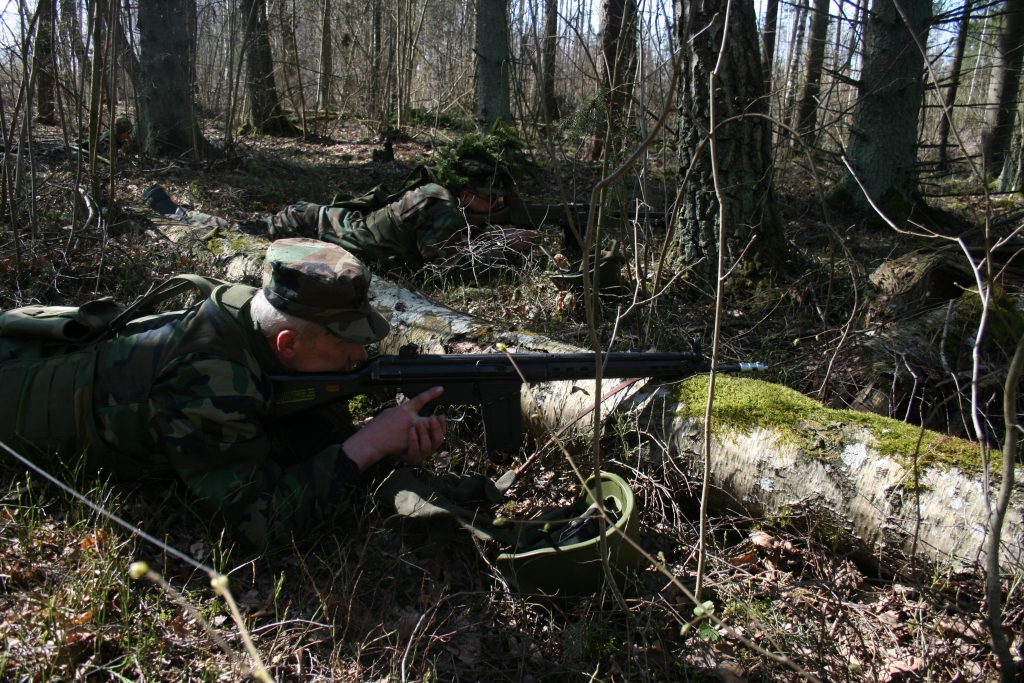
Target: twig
719, 290
993, 582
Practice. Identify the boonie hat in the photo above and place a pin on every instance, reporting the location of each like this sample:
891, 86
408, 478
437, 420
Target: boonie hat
326, 284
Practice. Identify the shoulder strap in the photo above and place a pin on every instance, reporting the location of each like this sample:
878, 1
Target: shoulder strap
168, 289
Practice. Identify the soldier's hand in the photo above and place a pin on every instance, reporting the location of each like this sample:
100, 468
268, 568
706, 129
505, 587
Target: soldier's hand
400, 431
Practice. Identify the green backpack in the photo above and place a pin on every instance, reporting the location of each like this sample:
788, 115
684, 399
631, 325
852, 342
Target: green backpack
48, 363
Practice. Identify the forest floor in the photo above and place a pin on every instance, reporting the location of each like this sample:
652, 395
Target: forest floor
359, 599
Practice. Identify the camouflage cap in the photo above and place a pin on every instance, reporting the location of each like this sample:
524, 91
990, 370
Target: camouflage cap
324, 283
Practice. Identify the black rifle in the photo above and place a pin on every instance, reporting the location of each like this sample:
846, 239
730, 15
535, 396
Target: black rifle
530, 215
489, 380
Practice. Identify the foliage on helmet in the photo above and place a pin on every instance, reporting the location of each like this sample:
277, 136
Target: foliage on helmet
502, 149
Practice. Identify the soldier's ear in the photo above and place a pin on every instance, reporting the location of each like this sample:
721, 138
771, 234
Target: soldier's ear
285, 344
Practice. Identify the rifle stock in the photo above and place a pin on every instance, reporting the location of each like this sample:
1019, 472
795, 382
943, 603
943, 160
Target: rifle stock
491, 381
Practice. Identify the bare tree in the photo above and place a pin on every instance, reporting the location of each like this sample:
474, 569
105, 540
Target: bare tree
618, 50
44, 63
550, 48
1004, 87
265, 115
72, 28
744, 153
167, 121
807, 110
796, 47
771, 21
323, 89
376, 82
883, 137
949, 97
492, 62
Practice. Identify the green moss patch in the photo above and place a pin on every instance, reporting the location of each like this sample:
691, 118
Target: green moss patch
745, 404
1005, 321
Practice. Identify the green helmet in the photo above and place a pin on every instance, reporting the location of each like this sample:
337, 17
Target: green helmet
560, 555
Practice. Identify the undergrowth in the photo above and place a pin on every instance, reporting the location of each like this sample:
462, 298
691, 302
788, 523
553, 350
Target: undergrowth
366, 597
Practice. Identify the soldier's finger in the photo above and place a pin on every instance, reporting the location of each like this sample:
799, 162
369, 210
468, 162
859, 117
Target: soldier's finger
423, 434
420, 400
412, 453
437, 432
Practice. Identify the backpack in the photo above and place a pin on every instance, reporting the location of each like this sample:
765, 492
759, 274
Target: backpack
48, 363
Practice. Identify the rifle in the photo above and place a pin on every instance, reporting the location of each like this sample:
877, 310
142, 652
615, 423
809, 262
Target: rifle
529, 215
489, 380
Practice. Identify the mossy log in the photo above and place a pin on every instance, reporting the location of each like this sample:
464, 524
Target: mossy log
779, 454
776, 453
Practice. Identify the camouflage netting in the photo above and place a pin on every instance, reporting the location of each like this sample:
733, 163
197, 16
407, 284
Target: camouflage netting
497, 157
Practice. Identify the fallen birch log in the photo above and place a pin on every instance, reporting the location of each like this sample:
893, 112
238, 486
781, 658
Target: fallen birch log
776, 453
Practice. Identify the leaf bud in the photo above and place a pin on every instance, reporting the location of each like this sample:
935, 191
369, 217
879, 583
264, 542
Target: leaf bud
137, 570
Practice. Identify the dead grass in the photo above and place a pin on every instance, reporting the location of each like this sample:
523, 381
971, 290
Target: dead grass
364, 599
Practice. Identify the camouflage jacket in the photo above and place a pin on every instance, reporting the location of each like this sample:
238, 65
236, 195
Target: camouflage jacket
422, 225
419, 225
187, 393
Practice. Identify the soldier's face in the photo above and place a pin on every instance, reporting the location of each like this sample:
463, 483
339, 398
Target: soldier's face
323, 353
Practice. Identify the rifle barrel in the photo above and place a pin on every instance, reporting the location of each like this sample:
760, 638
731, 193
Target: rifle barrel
412, 373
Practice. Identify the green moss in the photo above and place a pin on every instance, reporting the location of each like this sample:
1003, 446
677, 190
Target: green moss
745, 404
895, 206
243, 243
1005, 321
840, 199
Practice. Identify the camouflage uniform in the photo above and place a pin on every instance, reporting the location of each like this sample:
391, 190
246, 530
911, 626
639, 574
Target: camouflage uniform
188, 393
405, 231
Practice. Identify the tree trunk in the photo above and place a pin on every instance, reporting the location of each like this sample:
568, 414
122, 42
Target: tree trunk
192, 31
771, 24
376, 83
949, 97
615, 59
796, 47
1004, 87
855, 496
492, 63
264, 116
323, 89
126, 54
167, 123
43, 64
851, 493
883, 136
550, 47
744, 147
99, 10
70, 21
289, 64
983, 43
807, 111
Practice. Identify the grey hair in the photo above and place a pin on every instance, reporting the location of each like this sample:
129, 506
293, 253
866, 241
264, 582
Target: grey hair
272, 321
